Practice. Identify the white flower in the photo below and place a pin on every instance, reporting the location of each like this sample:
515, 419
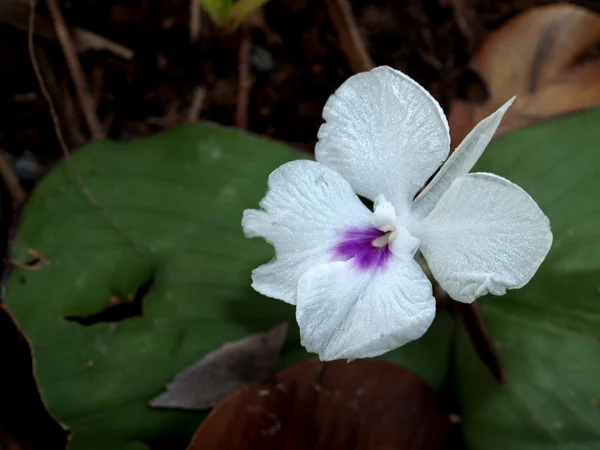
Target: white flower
350, 271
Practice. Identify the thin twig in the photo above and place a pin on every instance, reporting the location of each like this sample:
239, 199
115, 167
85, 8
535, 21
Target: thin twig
59, 135
481, 339
81, 86
197, 103
86, 40
11, 181
243, 94
64, 103
352, 44
195, 20
16, 14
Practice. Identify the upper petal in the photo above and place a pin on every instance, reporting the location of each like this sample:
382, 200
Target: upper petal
345, 313
306, 209
486, 234
385, 134
460, 162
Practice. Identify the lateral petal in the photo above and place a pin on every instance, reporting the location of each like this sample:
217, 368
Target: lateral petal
304, 213
486, 234
460, 162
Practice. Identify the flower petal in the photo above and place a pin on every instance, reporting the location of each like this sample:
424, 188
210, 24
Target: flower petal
344, 313
486, 234
306, 208
385, 134
460, 162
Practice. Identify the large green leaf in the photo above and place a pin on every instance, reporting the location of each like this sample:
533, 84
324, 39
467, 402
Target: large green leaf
180, 197
548, 333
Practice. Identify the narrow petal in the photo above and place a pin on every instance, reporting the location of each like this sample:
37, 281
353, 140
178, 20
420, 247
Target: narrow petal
385, 134
460, 162
344, 313
486, 234
303, 216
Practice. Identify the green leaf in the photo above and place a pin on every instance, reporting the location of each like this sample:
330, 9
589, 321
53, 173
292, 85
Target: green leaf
218, 10
180, 197
429, 356
243, 8
548, 333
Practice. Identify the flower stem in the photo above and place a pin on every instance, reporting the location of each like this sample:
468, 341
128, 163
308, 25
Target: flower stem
481, 338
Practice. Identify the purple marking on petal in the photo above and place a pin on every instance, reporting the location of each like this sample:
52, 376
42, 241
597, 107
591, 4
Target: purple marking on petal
357, 244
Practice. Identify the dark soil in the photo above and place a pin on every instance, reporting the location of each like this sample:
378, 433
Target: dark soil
296, 63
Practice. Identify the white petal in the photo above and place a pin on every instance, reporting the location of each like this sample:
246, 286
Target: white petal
385, 134
486, 234
306, 206
460, 162
384, 214
345, 313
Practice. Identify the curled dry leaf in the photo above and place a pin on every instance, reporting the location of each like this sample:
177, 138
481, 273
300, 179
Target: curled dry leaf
218, 374
536, 56
366, 404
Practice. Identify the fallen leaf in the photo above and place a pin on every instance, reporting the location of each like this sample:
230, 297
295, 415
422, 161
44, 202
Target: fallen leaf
366, 404
536, 56
223, 371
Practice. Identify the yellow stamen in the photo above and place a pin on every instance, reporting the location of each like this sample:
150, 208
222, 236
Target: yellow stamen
384, 240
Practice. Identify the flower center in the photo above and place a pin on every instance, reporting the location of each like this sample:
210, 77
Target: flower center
384, 240
368, 248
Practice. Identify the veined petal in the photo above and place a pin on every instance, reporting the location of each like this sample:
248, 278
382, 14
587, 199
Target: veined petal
303, 215
385, 134
460, 162
344, 313
486, 234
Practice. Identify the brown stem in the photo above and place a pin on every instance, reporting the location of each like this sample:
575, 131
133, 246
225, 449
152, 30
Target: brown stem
482, 340
81, 86
11, 181
352, 44
195, 20
243, 94
196, 105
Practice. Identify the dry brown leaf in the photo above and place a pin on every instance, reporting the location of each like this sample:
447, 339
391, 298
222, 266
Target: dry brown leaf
368, 404
219, 373
535, 56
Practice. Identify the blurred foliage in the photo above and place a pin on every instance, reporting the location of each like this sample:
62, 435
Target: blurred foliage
224, 13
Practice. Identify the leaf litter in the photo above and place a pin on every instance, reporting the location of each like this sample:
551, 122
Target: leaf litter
555, 71
221, 372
